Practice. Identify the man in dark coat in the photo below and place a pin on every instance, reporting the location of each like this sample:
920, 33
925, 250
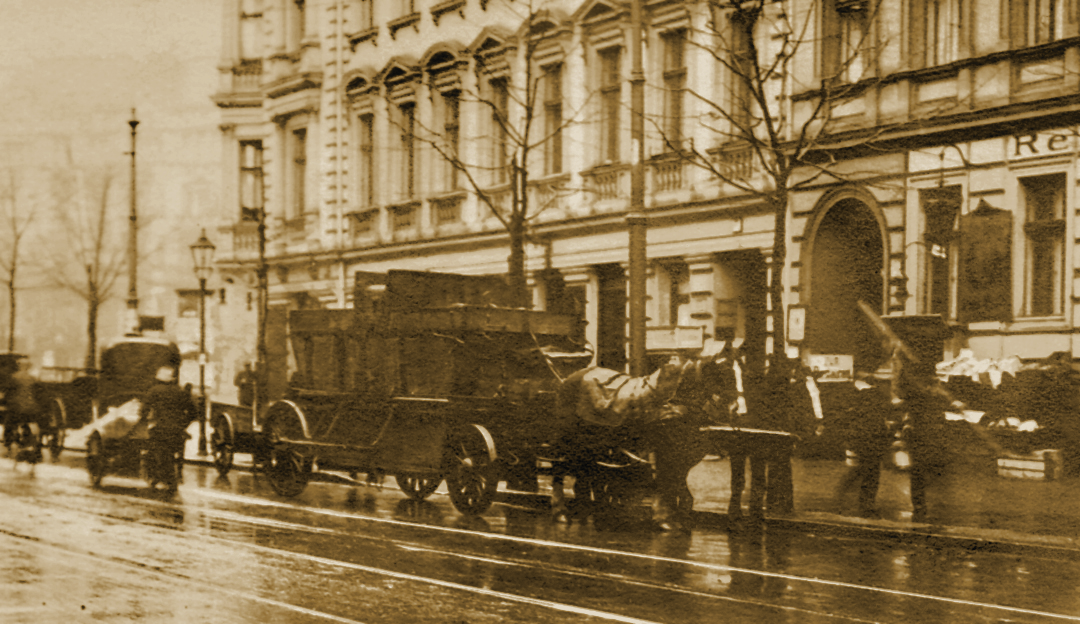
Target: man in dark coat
867, 419
169, 409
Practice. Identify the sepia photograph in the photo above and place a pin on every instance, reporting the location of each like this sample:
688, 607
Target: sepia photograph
540, 311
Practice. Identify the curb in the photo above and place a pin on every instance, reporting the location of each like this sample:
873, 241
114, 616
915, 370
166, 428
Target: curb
829, 525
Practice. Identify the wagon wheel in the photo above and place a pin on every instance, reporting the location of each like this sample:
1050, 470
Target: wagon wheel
286, 468
55, 432
95, 459
417, 488
471, 472
222, 444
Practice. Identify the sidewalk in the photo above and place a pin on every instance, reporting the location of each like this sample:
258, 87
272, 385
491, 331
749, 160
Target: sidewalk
970, 506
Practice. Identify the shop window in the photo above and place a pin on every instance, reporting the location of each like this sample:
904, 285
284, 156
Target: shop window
1044, 233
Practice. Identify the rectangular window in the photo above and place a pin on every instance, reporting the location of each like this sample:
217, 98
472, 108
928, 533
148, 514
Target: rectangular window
852, 33
674, 85
1045, 20
250, 19
944, 23
742, 59
553, 121
451, 120
610, 85
405, 8
297, 25
366, 167
251, 180
500, 109
407, 171
365, 15
1044, 230
299, 171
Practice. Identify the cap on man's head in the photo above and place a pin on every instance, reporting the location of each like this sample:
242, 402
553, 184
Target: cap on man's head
165, 373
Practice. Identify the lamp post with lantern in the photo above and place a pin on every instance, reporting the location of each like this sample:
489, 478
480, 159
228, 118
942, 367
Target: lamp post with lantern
202, 252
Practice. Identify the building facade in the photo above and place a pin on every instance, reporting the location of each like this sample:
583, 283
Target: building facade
407, 134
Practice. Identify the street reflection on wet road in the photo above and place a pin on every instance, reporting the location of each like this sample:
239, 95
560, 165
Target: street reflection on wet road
228, 550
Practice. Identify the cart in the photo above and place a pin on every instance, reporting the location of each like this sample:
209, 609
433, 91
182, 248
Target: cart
429, 378
121, 441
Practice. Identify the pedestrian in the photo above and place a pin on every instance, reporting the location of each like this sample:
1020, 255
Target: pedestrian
924, 402
245, 385
866, 417
169, 409
22, 405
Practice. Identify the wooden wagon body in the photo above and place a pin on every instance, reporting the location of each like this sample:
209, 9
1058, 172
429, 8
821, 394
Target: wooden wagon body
428, 377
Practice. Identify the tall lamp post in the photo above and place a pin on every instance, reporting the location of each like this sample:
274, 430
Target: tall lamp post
202, 252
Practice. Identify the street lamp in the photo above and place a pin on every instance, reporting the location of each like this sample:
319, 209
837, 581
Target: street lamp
202, 252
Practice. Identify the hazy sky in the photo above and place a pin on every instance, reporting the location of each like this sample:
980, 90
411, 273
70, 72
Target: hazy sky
40, 29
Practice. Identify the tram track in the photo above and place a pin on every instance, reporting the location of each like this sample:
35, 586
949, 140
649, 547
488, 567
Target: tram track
421, 547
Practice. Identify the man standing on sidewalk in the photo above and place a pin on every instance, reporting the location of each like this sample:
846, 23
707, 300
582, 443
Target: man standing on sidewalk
924, 402
866, 420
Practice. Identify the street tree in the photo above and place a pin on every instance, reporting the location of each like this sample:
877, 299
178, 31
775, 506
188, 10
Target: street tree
17, 216
86, 252
760, 144
517, 89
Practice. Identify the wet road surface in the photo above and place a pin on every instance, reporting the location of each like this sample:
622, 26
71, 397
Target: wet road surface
232, 551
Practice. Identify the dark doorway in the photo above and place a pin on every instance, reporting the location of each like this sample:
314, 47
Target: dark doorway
846, 266
749, 265
611, 317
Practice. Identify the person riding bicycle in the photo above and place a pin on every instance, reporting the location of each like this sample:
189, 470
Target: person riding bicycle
169, 409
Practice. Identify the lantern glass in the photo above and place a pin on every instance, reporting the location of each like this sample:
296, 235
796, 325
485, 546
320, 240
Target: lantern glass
202, 253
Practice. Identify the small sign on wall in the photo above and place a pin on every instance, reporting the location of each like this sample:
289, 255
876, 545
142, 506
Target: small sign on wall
832, 367
796, 323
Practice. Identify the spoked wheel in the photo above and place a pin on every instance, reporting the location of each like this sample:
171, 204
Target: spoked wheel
288, 471
417, 488
286, 468
55, 432
471, 472
222, 445
95, 459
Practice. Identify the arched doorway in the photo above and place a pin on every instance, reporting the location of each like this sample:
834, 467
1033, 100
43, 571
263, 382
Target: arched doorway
846, 265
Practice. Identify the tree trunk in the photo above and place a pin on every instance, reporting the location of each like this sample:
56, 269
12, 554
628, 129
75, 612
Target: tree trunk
91, 328
519, 286
779, 201
11, 312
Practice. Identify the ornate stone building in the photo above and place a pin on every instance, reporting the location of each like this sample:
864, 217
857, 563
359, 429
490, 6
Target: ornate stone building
378, 134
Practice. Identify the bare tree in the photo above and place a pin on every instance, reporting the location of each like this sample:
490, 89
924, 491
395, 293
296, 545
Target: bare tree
87, 256
766, 149
523, 122
17, 218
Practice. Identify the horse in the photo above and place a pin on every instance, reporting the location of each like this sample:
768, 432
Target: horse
603, 416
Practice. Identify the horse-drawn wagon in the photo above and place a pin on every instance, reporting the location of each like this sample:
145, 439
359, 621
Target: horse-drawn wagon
429, 377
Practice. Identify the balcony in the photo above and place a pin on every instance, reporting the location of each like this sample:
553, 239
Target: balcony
608, 183
365, 226
446, 213
547, 197
734, 162
405, 220
240, 85
244, 236
668, 173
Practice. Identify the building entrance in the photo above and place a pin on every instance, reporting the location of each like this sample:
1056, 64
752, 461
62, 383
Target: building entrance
847, 265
